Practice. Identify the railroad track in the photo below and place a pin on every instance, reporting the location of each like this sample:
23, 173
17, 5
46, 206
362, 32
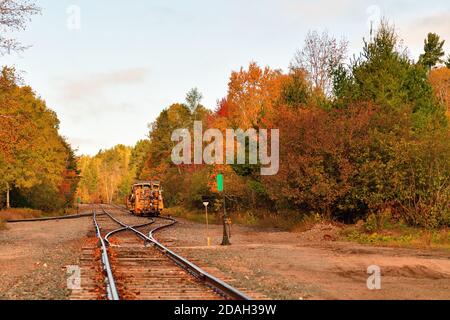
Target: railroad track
132, 265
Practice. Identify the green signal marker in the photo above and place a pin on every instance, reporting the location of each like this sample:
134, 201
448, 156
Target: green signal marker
220, 182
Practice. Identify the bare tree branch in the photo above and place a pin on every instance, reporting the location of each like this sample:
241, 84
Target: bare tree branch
14, 15
320, 54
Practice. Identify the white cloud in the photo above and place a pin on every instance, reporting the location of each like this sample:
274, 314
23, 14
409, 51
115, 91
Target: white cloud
324, 9
415, 32
93, 85
97, 108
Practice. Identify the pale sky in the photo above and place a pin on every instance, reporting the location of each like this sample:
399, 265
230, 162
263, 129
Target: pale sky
130, 59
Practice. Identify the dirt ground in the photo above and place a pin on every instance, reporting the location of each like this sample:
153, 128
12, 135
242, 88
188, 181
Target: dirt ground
311, 265
34, 256
270, 263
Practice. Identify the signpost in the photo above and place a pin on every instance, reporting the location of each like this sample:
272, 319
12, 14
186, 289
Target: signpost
206, 201
226, 221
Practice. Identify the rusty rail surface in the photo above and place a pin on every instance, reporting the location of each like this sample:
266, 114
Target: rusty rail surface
110, 283
73, 216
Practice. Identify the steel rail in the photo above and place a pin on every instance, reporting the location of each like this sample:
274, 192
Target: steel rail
112, 233
216, 284
74, 216
110, 283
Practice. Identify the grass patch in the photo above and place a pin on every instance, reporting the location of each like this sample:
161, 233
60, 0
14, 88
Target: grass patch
398, 236
287, 221
24, 213
390, 234
194, 216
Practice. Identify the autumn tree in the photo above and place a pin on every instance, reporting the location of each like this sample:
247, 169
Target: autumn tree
177, 116
105, 175
386, 77
138, 155
88, 188
379, 143
49, 197
297, 91
14, 14
320, 55
135, 166
253, 95
433, 51
254, 98
440, 80
158, 164
318, 167
113, 166
71, 176
32, 152
447, 62
13, 17
108, 176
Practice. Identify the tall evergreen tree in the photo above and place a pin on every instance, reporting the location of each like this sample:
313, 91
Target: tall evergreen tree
386, 76
433, 51
193, 99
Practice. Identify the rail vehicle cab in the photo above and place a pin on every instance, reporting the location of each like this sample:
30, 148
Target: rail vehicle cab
146, 199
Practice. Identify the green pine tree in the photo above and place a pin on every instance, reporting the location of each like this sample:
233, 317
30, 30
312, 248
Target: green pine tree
433, 51
386, 76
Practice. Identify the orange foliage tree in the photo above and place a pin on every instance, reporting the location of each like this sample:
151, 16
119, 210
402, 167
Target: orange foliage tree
253, 95
440, 80
317, 155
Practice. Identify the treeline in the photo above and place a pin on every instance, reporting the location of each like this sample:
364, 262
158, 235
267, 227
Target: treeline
38, 168
362, 139
108, 176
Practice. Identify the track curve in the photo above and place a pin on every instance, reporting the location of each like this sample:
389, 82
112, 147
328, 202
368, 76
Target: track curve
138, 267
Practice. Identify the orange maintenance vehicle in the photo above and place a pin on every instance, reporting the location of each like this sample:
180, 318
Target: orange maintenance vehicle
146, 199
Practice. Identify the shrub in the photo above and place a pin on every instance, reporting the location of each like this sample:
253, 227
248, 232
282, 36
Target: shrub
19, 214
424, 173
372, 162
